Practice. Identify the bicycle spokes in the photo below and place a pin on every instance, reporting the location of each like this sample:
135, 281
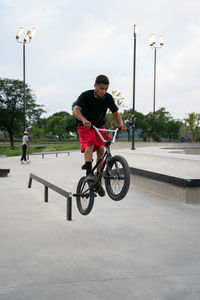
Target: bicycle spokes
117, 178
85, 196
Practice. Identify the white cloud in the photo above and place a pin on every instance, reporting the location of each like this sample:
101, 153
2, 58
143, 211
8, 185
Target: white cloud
87, 40
77, 40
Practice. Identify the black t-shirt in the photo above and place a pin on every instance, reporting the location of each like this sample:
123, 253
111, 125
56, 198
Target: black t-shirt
94, 109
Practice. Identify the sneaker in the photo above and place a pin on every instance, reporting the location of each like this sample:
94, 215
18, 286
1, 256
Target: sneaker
83, 167
101, 190
28, 161
98, 188
91, 178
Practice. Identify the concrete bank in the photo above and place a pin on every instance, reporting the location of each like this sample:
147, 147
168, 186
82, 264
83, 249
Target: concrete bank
166, 170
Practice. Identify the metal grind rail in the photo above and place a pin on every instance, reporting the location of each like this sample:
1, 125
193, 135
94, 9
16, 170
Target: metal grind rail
48, 185
46, 153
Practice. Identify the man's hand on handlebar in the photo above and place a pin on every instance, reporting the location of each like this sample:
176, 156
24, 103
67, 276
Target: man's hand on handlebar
123, 128
87, 124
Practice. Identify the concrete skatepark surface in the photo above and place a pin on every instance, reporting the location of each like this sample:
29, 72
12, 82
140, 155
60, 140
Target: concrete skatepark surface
143, 247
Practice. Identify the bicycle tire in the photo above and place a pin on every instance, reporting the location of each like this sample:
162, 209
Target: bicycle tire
84, 201
117, 178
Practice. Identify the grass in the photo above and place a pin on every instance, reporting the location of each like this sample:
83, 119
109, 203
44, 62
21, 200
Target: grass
17, 151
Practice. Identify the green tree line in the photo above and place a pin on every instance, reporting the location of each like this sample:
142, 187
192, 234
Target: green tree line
62, 124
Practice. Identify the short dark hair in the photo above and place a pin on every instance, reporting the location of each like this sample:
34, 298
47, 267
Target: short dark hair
102, 79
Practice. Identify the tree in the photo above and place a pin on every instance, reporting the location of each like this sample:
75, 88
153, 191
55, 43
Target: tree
61, 124
63, 114
165, 125
36, 131
162, 117
117, 96
142, 122
109, 119
156, 124
192, 123
173, 129
70, 121
12, 107
56, 125
70, 124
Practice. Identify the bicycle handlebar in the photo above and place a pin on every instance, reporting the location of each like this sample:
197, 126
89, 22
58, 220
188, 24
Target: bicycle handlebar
108, 130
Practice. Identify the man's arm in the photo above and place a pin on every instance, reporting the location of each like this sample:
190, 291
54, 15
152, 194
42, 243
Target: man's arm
78, 115
119, 121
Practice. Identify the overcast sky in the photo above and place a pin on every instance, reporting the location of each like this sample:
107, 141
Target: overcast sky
76, 40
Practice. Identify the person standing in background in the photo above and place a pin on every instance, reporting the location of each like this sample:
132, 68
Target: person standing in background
25, 144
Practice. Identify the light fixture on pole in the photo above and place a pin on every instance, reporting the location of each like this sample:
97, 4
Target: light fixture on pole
152, 43
133, 116
29, 35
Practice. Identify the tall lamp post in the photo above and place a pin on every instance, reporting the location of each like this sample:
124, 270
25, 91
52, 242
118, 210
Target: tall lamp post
133, 116
152, 43
27, 39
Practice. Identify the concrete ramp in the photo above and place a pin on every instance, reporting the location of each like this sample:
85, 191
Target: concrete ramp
170, 172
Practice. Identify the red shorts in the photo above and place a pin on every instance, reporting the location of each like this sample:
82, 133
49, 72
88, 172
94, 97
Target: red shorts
90, 137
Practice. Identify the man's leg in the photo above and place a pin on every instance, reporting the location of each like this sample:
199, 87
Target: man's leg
23, 153
25, 148
100, 152
88, 158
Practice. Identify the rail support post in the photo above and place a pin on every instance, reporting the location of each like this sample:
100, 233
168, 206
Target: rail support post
30, 182
45, 193
69, 207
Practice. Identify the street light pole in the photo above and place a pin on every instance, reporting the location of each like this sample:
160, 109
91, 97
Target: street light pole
24, 79
154, 84
27, 39
133, 116
154, 47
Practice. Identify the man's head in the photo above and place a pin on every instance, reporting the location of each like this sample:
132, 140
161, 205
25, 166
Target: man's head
101, 86
25, 132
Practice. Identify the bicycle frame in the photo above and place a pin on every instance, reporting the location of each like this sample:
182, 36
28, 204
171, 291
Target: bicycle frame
107, 130
107, 155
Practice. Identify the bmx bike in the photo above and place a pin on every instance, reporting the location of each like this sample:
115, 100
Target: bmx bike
115, 171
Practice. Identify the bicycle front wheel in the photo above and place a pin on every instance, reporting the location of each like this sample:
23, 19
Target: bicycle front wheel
117, 178
84, 196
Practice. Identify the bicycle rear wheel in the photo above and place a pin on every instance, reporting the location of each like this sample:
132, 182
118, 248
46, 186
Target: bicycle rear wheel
85, 196
117, 178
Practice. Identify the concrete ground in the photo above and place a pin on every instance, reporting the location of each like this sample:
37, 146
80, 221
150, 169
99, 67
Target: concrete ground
143, 247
